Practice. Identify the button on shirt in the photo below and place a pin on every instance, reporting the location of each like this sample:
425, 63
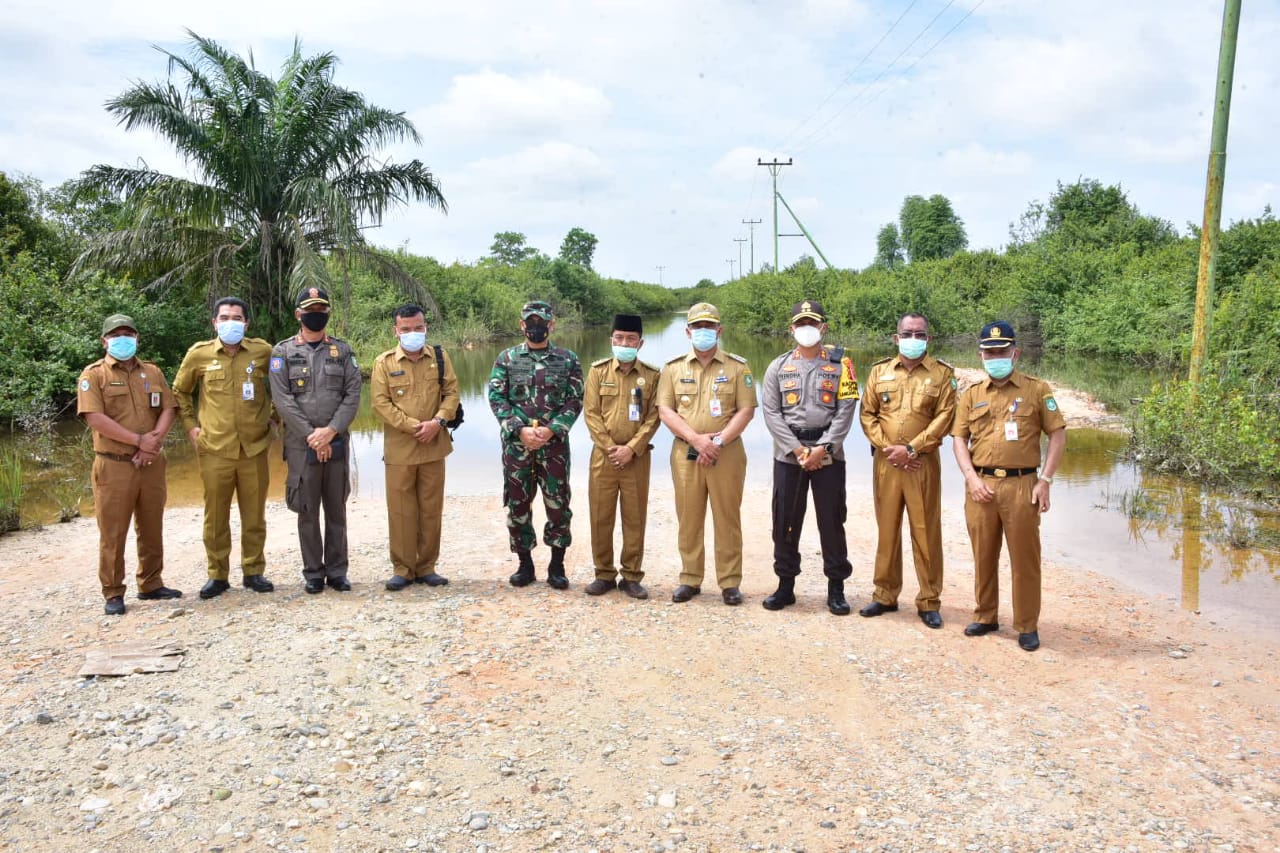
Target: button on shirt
405, 394
984, 409
314, 386
122, 391
210, 387
610, 394
912, 407
808, 393
691, 389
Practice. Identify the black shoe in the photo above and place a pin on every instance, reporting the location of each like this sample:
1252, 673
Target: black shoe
557, 581
397, 583
555, 570
731, 596
214, 588
524, 575
1029, 641
684, 592
836, 602
258, 583
977, 629
779, 600
160, 592
932, 618
432, 579
600, 586
633, 589
875, 608
114, 606
314, 586
340, 584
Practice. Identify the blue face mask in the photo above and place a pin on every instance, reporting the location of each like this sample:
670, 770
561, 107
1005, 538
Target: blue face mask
625, 354
998, 368
122, 348
231, 331
912, 348
703, 339
413, 341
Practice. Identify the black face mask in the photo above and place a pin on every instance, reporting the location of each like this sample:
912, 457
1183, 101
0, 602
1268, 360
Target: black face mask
536, 332
315, 321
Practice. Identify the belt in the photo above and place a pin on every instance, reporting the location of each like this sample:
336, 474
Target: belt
805, 434
1004, 472
115, 457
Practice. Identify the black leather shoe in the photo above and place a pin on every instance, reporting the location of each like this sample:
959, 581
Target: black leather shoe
731, 596
600, 586
114, 606
160, 592
432, 579
875, 608
258, 583
314, 586
779, 600
557, 581
977, 629
340, 584
214, 588
932, 618
837, 604
633, 589
1030, 641
684, 592
397, 583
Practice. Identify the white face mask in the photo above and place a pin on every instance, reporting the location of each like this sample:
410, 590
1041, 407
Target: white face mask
807, 336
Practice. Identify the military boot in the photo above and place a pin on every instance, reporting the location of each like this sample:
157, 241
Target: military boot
835, 597
524, 574
786, 594
555, 570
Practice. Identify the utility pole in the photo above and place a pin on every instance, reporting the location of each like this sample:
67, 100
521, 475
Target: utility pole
730, 262
739, 241
751, 224
1212, 229
659, 269
774, 166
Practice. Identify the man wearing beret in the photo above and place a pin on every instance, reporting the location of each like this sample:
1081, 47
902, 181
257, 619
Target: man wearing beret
706, 397
997, 430
810, 397
129, 407
535, 392
622, 417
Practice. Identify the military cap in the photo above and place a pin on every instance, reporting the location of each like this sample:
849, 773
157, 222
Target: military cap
810, 309
997, 335
703, 312
312, 296
118, 321
537, 308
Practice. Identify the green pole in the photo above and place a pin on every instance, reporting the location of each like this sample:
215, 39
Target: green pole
1212, 229
804, 230
774, 167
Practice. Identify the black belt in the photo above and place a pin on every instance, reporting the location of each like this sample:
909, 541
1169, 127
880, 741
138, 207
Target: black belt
1004, 472
115, 457
808, 434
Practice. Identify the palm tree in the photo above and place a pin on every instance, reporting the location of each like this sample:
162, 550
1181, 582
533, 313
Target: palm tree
285, 174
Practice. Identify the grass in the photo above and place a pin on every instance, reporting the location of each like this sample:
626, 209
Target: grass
10, 490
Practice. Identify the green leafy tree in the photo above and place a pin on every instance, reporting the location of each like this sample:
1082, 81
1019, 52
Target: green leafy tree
509, 248
889, 247
579, 247
21, 227
285, 172
1089, 214
930, 228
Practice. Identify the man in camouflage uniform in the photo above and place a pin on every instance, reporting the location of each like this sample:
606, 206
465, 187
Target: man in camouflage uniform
535, 392
316, 386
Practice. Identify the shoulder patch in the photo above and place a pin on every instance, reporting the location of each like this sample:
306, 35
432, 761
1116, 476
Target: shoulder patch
1051, 404
277, 364
84, 384
736, 357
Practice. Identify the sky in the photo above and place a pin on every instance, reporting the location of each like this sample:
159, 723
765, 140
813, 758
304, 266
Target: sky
642, 122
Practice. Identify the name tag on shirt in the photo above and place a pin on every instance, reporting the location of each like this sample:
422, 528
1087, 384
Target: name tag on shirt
1010, 430
716, 411
248, 391
633, 412
155, 399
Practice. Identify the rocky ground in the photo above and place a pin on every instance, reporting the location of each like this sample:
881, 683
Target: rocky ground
478, 717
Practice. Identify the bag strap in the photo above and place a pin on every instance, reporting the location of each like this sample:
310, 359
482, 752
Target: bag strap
439, 362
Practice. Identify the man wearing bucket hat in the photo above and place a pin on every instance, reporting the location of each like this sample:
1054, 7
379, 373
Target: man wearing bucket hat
535, 392
129, 407
997, 431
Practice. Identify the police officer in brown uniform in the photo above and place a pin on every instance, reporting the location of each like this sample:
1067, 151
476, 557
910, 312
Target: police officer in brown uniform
225, 406
909, 404
997, 429
621, 412
129, 407
415, 393
706, 398
316, 386
810, 397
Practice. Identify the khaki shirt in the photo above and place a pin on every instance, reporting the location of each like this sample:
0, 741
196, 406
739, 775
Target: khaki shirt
132, 393
912, 407
405, 394
696, 392
314, 387
607, 404
234, 406
809, 394
985, 409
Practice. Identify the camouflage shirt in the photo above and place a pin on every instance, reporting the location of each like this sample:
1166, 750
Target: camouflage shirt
535, 384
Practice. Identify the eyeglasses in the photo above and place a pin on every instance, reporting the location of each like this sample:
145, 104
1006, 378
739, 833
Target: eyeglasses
919, 336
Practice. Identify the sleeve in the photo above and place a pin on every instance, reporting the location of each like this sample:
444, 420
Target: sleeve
639, 442
184, 386
1051, 417
846, 409
167, 399
870, 419
450, 395
771, 403
350, 405
562, 421
510, 422
592, 414
745, 393
931, 436
666, 395
384, 405
960, 424
295, 420
88, 393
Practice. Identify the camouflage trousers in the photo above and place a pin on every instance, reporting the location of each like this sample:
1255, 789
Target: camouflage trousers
524, 472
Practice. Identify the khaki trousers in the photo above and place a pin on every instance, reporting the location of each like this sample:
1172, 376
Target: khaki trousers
1010, 514
246, 479
609, 489
920, 494
122, 492
722, 484
415, 509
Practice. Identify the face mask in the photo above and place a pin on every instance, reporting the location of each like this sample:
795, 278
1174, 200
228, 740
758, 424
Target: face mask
627, 354
998, 368
807, 336
703, 340
537, 332
912, 348
122, 348
413, 341
315, 321
231, 331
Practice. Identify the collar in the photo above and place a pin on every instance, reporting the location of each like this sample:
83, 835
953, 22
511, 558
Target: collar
112, 361
1015, 379
297, 339
926, 362
718, 355
402, 354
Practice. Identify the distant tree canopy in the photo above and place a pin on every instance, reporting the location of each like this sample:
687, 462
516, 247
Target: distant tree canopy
930, 229
1090, 214
579, 247
509, 248
889, 247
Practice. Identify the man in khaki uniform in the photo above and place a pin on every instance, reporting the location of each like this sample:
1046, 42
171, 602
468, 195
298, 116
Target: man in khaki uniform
706, 398
997, 426
621, 412
225, 405
129, 407
909, 404
415, 393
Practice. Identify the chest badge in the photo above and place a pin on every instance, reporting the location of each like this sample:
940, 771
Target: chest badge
829, 368
790, 383
639, 381
788, 368
792, 398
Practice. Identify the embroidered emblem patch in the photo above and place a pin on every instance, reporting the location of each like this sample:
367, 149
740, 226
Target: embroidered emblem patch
792, 398
1051, 404
277, 364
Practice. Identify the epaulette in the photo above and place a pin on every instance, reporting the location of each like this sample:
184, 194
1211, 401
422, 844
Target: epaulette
89, 367
602, 361
945, 364
882, 361
677, 358
736, 357
386, 354
648, 365
835, 354
198, 344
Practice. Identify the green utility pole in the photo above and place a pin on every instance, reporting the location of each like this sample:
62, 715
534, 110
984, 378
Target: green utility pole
804, 230
1212, 229
740, 241
751, 224
774, 165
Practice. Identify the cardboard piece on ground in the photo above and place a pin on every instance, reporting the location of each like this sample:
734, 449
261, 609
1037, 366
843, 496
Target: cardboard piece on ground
132, 657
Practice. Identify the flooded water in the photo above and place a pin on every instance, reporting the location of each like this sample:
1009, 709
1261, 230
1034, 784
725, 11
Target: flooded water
1158, 534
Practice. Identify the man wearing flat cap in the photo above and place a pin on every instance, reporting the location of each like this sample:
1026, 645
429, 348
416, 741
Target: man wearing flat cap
706, 397
622, 416
997, 431
129, 407
316, 385
810, 396
535, 392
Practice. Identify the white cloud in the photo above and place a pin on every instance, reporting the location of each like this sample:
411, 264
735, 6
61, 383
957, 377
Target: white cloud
490, 104
976, 160
548, 172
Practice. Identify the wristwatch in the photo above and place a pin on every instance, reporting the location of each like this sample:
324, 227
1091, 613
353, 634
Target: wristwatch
911, 452
443, 423
717, 441
829, 447
1046, 478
